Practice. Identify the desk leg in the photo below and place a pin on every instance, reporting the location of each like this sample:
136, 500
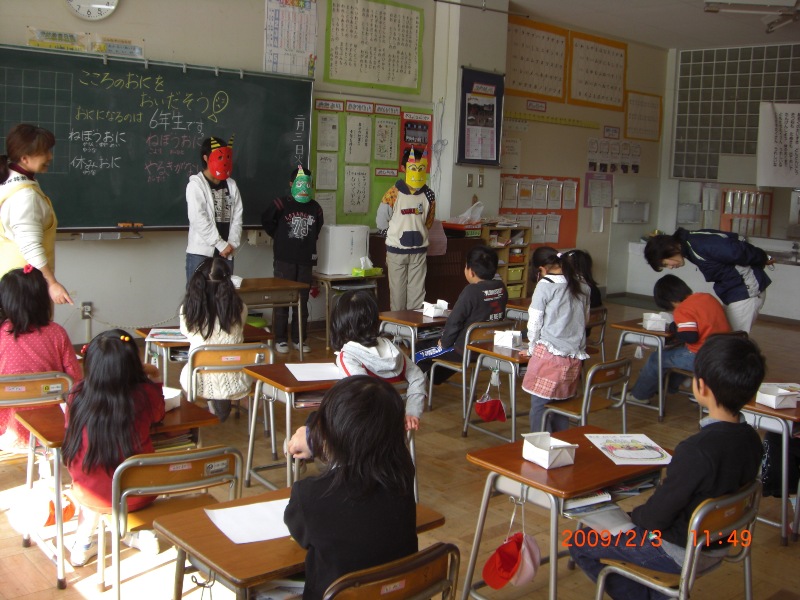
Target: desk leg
327, 286
26, 536
290, 474
471, 397
300, 322
554, 512
62, 580
252, 441
164, 364
476, 542
180, 569
661, 399
786, 434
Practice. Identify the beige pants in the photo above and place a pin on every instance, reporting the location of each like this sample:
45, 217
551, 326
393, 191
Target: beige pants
406, 279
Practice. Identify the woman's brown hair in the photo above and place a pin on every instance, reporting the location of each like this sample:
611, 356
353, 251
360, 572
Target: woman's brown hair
24, 140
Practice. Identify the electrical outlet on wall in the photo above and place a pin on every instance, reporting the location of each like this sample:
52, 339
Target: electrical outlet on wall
469, 179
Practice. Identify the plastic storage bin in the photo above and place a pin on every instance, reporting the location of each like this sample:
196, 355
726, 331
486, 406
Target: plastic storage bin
514, 291
515, 273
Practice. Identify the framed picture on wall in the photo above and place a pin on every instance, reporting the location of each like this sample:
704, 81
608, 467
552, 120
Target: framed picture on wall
480, 118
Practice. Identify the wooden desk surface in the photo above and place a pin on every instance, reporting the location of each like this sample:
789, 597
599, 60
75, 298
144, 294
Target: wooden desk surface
635, 325
353, 278
501, 352
48, 423
518, 303
787, 414
279, 376
592, 469
270, 284
411, 318
248, 565
251, 335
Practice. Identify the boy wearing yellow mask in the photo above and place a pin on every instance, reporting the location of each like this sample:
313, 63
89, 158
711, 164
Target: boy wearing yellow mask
405, 215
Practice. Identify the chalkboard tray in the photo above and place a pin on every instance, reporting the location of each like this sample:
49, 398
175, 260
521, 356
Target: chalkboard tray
129, 132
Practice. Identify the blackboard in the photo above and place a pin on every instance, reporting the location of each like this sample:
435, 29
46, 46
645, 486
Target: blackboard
129, 132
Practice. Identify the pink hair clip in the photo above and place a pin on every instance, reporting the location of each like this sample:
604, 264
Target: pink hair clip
83, 349
27, 269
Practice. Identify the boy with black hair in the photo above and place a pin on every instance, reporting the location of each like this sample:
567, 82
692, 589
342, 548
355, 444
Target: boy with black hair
720, 459
294, 223
484, 299
734, 266
696, 317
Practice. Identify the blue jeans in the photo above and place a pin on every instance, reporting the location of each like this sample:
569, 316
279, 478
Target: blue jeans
195, 260
647, 385
635, 550
556, 422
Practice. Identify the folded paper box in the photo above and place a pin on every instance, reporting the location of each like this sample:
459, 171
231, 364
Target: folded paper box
435, 310
508, 339
778, 395
546, 451
656, 321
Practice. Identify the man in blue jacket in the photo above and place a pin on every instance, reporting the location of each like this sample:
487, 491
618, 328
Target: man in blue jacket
734, 266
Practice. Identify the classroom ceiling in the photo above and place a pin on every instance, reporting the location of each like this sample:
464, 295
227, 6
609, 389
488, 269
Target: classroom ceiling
678, 24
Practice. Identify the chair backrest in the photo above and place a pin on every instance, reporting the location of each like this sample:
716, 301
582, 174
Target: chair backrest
177, 472
225, 358
431, 571
607, 375
729, 518
597, 323
34, 389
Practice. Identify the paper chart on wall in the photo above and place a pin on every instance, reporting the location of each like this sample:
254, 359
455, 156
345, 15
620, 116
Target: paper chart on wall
539, 200
327, 171
597, 74
569, 195
386, 134
538, 224
327, 200
597, 219
358, 140
536, 58
510, 155
481, 127
509, 198
525, 199
356, 189
600, 192
290, 38
552, 229
327, 132
554, 195
643, 116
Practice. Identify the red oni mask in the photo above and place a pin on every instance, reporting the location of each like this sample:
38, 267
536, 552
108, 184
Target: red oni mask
220, 162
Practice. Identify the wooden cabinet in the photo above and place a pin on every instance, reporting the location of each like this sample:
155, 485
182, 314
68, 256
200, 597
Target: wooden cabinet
512, 245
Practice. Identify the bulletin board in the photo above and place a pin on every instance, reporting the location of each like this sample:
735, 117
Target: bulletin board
356, 149
537, 196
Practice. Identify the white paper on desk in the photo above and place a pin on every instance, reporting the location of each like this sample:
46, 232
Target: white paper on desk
251, 522
314, 371
629, 449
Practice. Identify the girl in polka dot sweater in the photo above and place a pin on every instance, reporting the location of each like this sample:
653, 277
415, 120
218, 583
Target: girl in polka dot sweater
29, 342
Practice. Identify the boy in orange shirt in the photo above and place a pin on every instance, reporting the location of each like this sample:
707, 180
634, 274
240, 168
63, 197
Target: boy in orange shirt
696, 317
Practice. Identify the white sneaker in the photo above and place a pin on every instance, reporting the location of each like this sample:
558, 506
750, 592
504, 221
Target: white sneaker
282, 348
306, 347
144, 540
629, 397
80, 554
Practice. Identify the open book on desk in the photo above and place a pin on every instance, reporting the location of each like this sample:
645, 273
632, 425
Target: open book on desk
166, 334
594, 497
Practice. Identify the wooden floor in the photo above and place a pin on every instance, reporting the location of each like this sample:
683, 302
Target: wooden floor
447, 483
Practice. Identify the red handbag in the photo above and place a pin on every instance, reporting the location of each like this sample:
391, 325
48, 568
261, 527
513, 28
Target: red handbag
489, 407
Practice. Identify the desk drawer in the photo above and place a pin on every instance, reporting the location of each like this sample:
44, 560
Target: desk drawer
258, 298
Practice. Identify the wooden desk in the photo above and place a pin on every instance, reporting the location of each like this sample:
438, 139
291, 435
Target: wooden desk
273, 292
632, 332
778, 421
328, 281
508, 360
410, 321
251, 335
244, 566
47, 424
517, 309
285, 389
507, 470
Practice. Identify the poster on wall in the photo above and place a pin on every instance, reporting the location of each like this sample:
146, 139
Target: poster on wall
416, 133
778, 151
358, 139
480, 118
356, 189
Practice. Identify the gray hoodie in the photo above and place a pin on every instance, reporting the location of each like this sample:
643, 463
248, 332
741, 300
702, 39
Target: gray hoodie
386, 361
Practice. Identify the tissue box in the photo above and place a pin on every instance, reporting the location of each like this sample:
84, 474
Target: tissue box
172, 398
435, 310
370, 272
508, 339
656, 321
546, 451
778, 395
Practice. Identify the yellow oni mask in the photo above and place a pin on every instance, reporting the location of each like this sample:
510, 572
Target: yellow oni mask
416, 171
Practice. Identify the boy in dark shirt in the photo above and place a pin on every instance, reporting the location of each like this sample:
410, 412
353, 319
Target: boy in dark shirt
294, 223
484, 299
720, 459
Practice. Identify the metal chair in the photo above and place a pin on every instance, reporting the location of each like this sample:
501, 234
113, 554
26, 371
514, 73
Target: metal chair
183, 476
597, 323
425, 574
227, 358
602, 376
728, 518
482, 330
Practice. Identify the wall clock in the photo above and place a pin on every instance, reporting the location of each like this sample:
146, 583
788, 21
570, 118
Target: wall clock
92, 10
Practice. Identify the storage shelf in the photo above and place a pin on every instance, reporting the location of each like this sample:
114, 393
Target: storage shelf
494, 233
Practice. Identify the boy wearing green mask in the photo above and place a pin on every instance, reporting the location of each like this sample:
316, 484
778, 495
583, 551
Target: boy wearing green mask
294, 223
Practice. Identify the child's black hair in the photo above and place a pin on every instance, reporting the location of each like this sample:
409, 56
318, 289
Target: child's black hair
732, 367
354, 319
296, 170
211, 297
483, 262
660, 247
360, 431
24, 301
670, 289
582, 263
104, 403
205, 149
545, 256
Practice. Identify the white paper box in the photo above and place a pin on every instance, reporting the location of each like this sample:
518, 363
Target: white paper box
435, 310
172, 398
656, 321
508, 339
778, 395
546, 451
